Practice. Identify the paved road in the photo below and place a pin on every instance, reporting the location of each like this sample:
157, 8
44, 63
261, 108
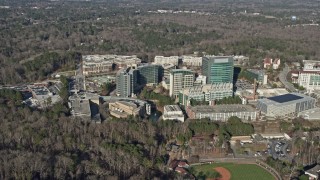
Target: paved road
80, 78
283, 78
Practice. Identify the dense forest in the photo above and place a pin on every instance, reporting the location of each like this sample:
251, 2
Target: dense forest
48, 144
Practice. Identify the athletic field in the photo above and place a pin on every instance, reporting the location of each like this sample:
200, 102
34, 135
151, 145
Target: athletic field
235, 171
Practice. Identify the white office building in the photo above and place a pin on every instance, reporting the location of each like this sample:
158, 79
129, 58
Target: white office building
223, 112
180, 79
208, 92
191, 61
166, 60
309, 77
173, 112
97, 64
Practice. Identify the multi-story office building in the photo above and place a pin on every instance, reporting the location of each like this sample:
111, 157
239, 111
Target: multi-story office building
180, 79
208, 92
124, 106
167, 60
191, 61
96, 64
223, 112
126, 81
218, 69
309, 77
149, 74
123, 109
286, 105
176, 60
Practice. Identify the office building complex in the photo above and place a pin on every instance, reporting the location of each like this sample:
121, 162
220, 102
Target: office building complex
309, 77
123, 109
149, 74
191, 61
223, 112
167, 60
126, 81
173, 112
180, 79
218, 69
208, 92
285, 105
176, 60
97, 64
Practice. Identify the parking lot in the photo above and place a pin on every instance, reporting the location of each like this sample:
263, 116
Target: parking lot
278, 149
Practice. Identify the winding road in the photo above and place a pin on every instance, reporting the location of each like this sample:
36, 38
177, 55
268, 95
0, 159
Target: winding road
283, 78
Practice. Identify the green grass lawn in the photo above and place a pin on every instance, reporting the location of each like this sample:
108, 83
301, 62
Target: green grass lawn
238, 171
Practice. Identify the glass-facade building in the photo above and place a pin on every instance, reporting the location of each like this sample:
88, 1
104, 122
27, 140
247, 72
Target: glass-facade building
218, 69
149, 74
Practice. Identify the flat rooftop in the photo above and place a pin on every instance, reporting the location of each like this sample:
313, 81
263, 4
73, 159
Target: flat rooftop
208, 88
166, 65
271, 92
181, 70
128, 104
192, 58
109, 58
285, 98
81, 106
224, 108
219, 59
116, 99
170, 108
